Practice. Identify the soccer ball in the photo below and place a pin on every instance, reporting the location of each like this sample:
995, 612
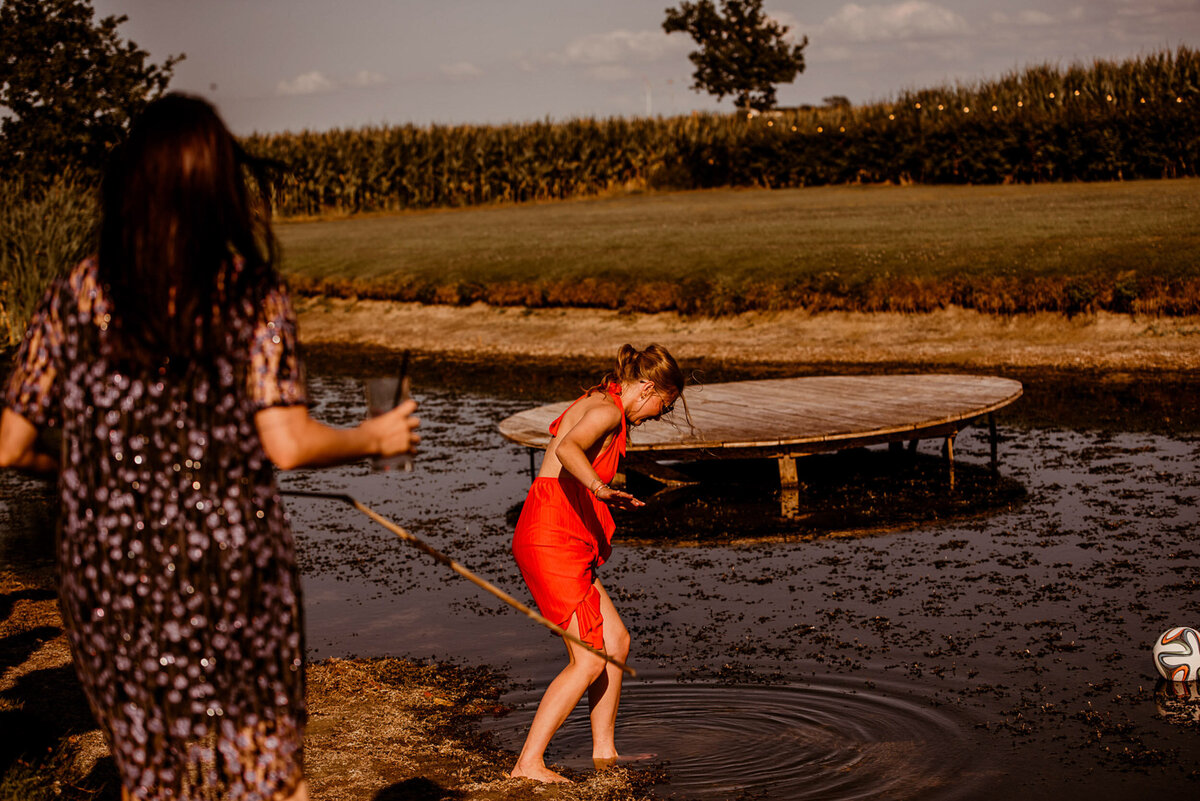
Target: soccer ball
1177, 654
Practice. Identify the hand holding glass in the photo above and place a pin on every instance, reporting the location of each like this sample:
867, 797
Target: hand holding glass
383, 395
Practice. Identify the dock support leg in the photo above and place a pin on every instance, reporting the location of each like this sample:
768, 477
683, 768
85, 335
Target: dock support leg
787, 471
532, 471
993, 439
789, 492
912, 445
948, 452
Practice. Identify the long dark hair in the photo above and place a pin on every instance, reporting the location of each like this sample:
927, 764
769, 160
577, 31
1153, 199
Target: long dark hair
176, 209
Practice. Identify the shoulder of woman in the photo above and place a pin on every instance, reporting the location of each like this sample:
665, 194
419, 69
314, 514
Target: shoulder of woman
84, 276
80, 286
601, 409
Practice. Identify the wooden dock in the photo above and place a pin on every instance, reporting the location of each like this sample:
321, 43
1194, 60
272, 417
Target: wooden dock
787, 418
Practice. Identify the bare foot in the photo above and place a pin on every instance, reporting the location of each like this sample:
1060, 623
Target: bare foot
539, 773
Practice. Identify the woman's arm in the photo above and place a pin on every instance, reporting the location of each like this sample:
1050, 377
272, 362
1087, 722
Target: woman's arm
18, 441
571, 452
292, 439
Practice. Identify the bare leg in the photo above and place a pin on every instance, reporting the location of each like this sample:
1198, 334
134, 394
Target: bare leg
604, 694
560, 698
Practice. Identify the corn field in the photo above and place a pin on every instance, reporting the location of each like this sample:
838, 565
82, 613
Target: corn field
1107, 121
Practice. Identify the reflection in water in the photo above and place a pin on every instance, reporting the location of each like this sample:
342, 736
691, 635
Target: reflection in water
789, 742
849, 493
27, 520
1178, 702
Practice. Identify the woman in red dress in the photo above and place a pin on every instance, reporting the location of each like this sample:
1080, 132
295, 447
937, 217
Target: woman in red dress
565, 532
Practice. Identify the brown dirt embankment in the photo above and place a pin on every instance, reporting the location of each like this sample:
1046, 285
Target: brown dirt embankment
949, 337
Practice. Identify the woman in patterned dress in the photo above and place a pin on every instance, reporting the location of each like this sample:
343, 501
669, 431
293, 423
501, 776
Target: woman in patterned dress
170, 362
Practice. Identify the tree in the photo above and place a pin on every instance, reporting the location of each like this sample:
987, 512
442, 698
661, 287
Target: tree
743, 52
69, 85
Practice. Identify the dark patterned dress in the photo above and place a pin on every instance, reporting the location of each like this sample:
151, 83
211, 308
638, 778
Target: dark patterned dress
178, 581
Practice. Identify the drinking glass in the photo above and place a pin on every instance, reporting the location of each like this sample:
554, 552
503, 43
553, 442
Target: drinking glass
383, 395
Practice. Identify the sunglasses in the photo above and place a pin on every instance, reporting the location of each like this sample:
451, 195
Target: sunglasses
666, 408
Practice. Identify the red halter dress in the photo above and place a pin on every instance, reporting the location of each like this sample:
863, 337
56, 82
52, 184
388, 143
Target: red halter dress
565, 533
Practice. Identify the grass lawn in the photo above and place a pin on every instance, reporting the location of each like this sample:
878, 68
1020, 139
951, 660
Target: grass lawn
873, 247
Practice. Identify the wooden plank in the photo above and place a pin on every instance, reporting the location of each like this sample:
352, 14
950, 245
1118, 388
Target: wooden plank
739, 424
832, 402
748, 438
795, 421
804, 412
932, 389
897, 398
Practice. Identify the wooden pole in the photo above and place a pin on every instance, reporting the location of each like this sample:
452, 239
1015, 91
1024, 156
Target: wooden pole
948, 452
460, 570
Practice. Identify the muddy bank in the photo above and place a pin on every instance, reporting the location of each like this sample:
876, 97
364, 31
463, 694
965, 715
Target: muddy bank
378, 729
950, 337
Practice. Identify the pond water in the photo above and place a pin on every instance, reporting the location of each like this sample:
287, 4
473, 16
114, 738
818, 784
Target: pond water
895, 639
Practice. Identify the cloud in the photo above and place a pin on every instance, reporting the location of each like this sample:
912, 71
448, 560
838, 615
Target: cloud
1035, 18
366, 78
620, 47
1154, 7
608, 57
610, 72
908, 20
310, 83
316, 82
1032, 18
461, 69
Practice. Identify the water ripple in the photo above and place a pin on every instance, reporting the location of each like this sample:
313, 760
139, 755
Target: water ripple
791, 742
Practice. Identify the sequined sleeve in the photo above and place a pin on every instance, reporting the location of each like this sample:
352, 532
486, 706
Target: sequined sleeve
276, 370
30, 390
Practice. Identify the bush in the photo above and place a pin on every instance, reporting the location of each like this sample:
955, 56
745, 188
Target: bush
44, 231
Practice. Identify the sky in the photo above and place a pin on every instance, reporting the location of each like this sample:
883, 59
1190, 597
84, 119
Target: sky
290, 65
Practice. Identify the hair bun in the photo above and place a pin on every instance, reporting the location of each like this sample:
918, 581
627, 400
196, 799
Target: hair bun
626, 356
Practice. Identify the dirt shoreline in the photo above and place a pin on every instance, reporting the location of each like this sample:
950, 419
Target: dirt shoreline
950, 337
